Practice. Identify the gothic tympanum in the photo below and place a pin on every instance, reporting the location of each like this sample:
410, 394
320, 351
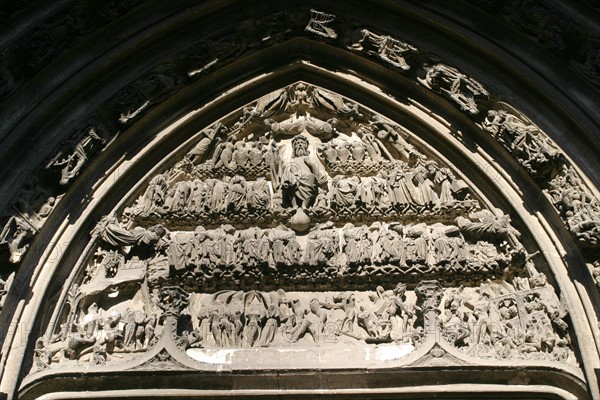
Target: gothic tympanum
307, 220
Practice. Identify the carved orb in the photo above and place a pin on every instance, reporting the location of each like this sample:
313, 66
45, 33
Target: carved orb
437, 353
300, 222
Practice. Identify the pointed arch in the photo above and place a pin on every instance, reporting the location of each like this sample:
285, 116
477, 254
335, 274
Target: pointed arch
433, 116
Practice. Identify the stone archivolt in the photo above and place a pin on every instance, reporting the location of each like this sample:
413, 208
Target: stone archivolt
352, 234
373, 148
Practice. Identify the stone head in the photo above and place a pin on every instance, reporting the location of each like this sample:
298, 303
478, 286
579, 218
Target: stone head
93, 308
315, 305
300, 146
538, 280
400, 289
113, 319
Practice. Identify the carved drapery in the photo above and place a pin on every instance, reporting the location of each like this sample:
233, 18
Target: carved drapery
306, 221
533, 150
312, 189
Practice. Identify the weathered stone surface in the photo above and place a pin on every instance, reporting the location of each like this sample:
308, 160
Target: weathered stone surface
313, 216
307, 192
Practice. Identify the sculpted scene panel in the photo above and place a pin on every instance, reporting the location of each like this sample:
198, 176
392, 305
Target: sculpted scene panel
305, 220
368, 169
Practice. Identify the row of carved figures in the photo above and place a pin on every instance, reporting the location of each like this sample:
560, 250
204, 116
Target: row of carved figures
258, 319
485, 239
426, 187
510, 318
349, 245
254, 157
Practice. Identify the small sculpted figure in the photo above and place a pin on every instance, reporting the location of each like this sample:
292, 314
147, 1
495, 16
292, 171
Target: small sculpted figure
223, 154
312, 322
387, 48
301, 176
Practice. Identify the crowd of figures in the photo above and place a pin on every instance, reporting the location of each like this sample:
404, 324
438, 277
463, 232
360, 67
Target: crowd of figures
579, 209
251, 159
380, 248
231, 319
519, 318
516, 317
275, 191
363, 154
213, 197
525, 142
260, 319
95, 334
482, 244
422, 188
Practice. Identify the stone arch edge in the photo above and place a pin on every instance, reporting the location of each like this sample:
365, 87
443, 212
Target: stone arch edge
84, 224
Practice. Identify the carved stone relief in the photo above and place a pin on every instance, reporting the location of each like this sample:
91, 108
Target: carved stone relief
305, 222
450, 82
507, 318
84, 144
387, 48
332, 163
153, 87
550, 27
595, 269
381, 146
532, 149
4, 286
319, 24
579, 209
565, 188
32, 207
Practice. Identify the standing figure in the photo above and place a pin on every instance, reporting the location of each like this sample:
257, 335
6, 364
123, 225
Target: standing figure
223, 155
422, 178
236, 194
154, 196
400, 189
301, 176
